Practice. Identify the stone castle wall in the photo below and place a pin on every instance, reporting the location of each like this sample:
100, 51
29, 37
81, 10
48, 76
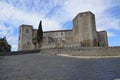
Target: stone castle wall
84, 51
25, 37
83, 32
73, 51
84, 29
102, 38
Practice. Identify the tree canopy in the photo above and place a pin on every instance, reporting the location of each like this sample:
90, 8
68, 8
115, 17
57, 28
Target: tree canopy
4, 46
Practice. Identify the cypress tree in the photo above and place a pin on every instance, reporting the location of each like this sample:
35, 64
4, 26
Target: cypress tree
39, 33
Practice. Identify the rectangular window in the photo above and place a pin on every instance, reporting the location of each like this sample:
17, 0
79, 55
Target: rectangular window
61, 33
27, 30
56, 34
27, 43
20, 30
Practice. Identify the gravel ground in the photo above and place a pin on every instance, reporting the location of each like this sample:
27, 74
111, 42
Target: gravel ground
51, 67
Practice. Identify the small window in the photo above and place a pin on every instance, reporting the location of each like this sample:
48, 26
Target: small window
27, 30
20, 30
28, 43
61, 33
56, 34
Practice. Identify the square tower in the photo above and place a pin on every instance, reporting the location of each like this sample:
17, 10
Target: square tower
25, 37
84, 29
102, 39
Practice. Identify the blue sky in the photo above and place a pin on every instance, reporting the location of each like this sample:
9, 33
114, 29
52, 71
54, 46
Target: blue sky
57, 15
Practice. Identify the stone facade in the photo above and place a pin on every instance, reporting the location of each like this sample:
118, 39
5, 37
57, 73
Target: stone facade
25, 37
83, 34
102, 38
84, 51
84, 29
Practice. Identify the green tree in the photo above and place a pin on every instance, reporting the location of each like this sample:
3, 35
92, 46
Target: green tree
39, 35
37, 39
4, 46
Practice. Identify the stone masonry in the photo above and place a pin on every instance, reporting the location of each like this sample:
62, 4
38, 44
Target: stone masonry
83, 34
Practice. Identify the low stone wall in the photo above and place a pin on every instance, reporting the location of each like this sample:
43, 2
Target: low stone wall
81, 51
85, 51
20, 52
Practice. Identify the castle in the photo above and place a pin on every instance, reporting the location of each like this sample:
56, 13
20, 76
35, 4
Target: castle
83, 34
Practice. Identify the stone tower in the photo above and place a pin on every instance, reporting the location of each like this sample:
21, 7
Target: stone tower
83, 34
25, 37
84, 29
102, 39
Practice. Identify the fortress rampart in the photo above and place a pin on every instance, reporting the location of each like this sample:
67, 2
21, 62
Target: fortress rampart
73, 51
84, 51
83, 32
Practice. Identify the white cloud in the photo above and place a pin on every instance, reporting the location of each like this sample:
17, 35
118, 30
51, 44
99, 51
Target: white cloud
54, 14
106, 22
73, 7
14, 47
98, 7
8, 32
111, 34
15, 17
5, 31
13, 40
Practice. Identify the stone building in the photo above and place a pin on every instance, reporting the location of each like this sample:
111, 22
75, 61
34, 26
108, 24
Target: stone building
83, 34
